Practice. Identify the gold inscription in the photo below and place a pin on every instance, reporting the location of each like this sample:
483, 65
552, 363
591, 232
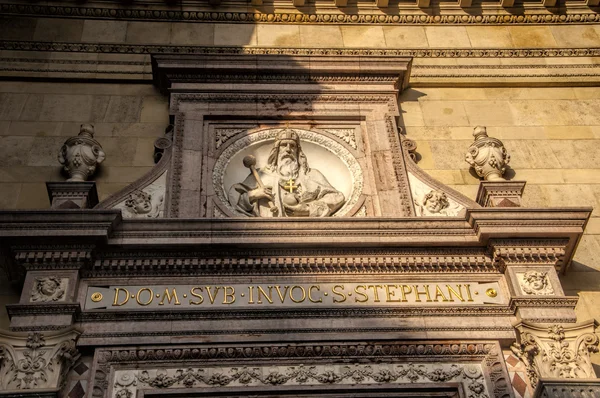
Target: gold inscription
116, 302
322, 294
146, 301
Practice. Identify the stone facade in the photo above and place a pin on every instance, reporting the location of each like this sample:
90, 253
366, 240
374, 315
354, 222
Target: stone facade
225, 78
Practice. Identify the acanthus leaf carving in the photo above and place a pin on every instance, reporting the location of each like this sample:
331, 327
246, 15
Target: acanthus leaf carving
556, 351
470, 375
38, 361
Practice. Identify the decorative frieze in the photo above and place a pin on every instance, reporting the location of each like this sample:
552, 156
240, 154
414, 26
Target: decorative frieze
557, 351
128, 382
36, 360
53, 257
303, 364
519, 252
420, 14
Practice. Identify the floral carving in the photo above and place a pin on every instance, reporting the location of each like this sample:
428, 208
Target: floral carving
49, 289
536, 283
346, 135
35, 364
487, 156
470, 375
81, 154
557, 351
222, 135
124, 393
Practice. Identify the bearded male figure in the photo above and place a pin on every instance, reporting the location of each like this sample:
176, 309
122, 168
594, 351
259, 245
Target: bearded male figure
288, 187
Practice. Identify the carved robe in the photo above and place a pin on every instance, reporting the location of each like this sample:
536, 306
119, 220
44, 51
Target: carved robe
313, 197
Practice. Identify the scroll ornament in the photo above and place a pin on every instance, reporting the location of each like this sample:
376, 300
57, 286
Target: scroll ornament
39, 363
81, 155
557, 351
487, 156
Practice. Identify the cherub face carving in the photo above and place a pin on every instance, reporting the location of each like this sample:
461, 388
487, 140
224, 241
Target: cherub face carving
139, 202
536, 283
48, 289
435, 201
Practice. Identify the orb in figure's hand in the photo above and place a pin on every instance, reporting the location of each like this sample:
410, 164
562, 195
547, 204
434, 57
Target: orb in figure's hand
290, 200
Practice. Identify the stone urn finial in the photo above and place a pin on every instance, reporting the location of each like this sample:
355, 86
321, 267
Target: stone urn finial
80, 155
487, 156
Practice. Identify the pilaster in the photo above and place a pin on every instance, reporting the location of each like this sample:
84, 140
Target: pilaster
557, 357
530, 267
49, 296
35, 364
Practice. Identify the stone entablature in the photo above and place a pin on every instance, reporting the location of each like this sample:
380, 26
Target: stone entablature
417, 13
478, 366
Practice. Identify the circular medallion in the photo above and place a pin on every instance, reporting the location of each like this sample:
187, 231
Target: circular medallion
96, 297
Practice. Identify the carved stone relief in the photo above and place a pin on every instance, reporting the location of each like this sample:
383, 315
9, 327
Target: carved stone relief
431, 202
321, 178
128, 382
346, 135
147, 202
222, 135
48, 289
36, 361
535, 283
81, 154
558, 351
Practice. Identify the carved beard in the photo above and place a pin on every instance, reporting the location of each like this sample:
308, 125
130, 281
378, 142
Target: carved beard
287, 165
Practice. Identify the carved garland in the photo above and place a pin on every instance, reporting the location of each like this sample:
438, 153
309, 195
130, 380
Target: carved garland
310, 136
127, 383
463, 362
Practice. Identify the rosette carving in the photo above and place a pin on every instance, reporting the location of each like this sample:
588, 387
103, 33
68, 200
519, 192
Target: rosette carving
487, 156
81, 155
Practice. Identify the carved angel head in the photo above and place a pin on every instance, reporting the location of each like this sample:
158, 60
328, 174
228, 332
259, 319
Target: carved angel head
139, 202
47, 289
435, 201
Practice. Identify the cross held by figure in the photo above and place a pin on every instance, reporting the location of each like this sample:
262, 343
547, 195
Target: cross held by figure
290, 185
